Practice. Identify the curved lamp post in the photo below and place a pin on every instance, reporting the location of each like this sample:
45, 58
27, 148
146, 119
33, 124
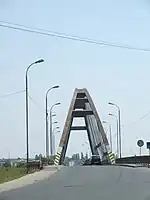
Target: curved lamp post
27, 110
119, 126
110, 135
46, 125
54, 133
114, 116
51, 133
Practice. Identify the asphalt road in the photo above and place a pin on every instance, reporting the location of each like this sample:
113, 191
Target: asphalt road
88, 183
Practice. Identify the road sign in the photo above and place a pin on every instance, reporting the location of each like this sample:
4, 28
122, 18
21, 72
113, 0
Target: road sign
140, 143
148, 145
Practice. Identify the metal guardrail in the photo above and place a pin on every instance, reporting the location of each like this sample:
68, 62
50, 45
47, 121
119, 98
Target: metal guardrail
35, 165
32, 165
145, 160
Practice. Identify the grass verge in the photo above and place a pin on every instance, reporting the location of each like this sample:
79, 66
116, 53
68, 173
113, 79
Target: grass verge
10, 173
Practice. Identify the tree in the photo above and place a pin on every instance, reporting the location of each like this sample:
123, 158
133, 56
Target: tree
7, 163
36, 157
44, 160
40, 156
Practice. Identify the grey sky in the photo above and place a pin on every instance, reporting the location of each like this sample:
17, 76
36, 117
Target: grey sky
118, 75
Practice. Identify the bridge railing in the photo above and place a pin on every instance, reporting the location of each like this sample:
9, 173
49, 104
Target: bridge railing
143, 160
32, 165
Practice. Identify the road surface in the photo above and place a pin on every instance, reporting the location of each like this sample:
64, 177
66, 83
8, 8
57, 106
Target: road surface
88, 183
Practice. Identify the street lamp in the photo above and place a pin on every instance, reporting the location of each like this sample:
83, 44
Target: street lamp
57, 127
119, 125
51, 133
27, 110
114, 116
54, 133
105, 122
46, 125
55, 123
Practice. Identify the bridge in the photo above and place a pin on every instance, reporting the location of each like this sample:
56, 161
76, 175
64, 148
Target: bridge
82, 106
115, 179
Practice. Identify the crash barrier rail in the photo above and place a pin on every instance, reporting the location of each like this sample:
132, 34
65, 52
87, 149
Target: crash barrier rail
143, 160
32, 165
37, 164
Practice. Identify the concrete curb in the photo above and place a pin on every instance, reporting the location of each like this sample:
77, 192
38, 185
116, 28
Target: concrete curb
129, 165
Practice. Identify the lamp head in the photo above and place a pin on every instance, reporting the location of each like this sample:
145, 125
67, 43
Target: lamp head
110, 103
57, 104
56, 86
39, 61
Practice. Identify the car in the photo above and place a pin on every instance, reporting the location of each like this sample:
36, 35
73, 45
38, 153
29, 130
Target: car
95, 160
87, 162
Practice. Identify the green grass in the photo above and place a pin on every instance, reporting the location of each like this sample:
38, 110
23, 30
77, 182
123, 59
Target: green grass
10, 173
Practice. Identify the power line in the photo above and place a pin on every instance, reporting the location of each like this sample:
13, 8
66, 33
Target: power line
141, 118
40, 107
68, 37
11, 94
39, 29
58, 33
145, 115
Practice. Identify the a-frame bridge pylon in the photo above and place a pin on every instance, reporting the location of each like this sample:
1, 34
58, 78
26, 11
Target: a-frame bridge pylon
83, 106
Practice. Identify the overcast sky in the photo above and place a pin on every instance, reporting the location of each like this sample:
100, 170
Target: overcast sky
110, 74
